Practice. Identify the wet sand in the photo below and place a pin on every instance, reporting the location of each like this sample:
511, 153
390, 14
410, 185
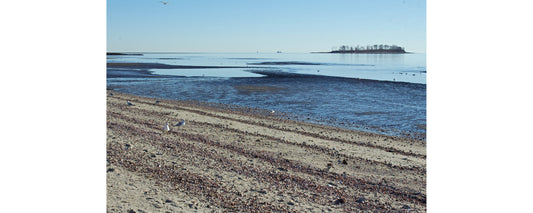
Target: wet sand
229, 158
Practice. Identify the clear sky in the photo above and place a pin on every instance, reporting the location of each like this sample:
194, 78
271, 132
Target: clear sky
265, 26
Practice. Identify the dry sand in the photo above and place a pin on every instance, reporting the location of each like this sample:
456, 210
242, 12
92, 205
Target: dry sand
235, 159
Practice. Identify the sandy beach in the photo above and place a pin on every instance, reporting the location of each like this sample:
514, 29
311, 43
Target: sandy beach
236, 159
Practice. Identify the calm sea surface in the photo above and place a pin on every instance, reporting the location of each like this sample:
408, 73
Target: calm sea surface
372, 92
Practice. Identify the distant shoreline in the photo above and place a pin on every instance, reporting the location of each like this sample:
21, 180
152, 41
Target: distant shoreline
113, 53
166, 66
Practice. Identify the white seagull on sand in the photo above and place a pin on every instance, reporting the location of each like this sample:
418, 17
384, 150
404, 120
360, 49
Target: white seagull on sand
167, 128
130, 104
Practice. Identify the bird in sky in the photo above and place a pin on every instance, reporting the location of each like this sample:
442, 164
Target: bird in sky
181, 123
164, 2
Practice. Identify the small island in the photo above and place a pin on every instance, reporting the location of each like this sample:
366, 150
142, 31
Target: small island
370, 49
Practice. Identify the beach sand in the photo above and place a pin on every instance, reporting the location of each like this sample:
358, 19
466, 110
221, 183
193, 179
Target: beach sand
228, 158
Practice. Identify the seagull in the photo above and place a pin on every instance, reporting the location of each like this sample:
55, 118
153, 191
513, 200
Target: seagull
164, 2
181, 123
130, 104
167, 128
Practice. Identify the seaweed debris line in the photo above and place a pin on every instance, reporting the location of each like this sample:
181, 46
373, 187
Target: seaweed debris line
232, 159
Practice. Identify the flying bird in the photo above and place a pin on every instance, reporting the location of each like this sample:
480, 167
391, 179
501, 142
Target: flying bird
164, 2
181, 123
130, 104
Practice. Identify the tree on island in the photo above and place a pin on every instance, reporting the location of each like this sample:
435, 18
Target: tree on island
381, 48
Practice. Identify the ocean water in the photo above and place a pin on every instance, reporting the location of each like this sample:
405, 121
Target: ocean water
383, 93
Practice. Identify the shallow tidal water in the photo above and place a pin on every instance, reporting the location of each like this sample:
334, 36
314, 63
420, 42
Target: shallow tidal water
354, 93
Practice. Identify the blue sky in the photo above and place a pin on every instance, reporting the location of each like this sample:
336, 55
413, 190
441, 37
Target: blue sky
265, 26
